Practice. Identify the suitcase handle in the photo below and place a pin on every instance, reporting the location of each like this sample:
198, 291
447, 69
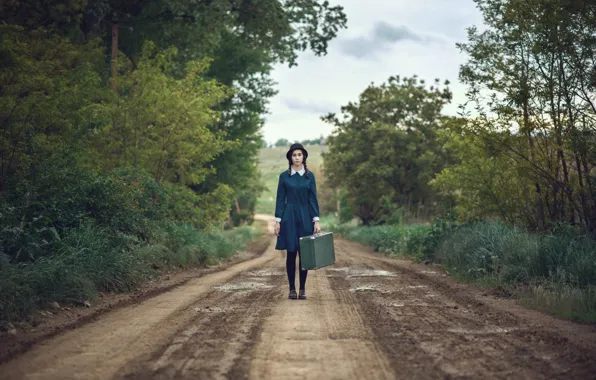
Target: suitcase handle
313, 236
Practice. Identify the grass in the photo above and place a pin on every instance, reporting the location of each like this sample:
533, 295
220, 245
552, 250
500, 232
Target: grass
90, 259
554, 273
563, 301
272, 161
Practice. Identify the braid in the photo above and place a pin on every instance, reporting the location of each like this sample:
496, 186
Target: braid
305, 168
290, 168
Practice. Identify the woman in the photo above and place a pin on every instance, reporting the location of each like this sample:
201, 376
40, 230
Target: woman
296, 213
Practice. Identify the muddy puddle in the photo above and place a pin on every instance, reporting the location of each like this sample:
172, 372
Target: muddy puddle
369, 288
264, 273
370, 273
244, 287
485, 331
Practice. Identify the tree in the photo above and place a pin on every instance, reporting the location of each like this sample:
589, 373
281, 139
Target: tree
282, 143
241, 38
530, 74
50, 91
385, 150
161, 123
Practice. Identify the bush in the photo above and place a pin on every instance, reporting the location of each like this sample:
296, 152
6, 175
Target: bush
513, 255
91, 259
66, 197
555, 273
419, 242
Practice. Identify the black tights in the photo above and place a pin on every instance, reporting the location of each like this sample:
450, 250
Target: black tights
291, 268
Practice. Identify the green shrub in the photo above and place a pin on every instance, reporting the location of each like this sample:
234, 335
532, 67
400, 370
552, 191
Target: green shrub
514, 255
557, 271
90, 258
65, 197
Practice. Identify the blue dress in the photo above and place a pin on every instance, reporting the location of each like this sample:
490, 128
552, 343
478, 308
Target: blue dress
296, 205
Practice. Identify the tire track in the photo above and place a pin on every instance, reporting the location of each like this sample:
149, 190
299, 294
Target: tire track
98, 350
322, 337
458, 335
214, 345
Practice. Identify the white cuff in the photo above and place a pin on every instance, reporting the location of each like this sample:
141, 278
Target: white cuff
278, 220
315, 219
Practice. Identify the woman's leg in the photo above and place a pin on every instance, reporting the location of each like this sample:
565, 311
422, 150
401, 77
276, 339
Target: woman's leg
303, 273
291, 269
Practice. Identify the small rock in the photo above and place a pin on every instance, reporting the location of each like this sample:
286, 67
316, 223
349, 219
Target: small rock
87, 303
54, 305
12, 332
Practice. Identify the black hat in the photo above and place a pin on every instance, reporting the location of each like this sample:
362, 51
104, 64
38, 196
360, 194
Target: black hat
293, 148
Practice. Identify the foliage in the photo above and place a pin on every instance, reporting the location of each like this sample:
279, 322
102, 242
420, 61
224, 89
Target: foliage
346, 208
100, 185
482, 182
49, 98
282, 143
513, 255
92, 259
555, 272
385, 150
160, 123
530, 74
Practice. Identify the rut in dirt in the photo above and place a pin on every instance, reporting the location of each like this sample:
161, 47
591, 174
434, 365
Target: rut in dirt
366, 317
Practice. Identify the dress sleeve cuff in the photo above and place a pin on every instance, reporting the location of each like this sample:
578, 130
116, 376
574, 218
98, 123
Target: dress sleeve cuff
278, 220
315, 219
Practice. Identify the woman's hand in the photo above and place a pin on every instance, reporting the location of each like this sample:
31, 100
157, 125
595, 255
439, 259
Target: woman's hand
277, 228
317, 227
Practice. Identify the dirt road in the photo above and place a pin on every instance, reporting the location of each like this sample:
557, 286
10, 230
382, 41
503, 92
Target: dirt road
367, 317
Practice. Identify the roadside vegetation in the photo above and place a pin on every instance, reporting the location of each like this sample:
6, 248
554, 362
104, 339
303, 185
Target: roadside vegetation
501, 194
129, 136
552, 272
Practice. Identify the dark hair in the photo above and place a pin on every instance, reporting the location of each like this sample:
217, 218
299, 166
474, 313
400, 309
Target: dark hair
303, 163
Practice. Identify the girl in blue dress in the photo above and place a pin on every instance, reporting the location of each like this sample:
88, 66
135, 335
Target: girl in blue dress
296, 213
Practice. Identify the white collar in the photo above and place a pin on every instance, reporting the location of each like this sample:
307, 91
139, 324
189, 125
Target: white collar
301, 171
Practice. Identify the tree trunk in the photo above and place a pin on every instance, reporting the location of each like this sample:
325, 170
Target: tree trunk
540, 218
114, 56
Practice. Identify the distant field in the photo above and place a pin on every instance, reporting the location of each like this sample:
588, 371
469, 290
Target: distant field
272, 162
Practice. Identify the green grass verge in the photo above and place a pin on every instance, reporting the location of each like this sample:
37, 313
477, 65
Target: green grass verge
90, 259
554, 273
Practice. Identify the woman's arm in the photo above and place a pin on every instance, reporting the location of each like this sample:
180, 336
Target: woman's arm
280, 201
313, 201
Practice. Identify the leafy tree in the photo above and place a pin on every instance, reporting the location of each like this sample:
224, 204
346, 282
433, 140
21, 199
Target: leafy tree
282, 143
481, 183
49, 97
530, 74
385, 149
161, 123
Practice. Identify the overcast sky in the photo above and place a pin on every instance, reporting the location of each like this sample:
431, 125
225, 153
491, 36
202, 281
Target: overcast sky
383, 38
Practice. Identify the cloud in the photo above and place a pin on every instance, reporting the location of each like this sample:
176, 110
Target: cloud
309, 106
379, 39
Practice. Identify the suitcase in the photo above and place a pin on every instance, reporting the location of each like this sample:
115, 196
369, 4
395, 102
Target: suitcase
317, 251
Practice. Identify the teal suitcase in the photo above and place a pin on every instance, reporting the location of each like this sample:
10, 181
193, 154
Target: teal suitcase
317, 251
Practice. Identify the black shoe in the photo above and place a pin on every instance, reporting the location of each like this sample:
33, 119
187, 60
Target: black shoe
302, 294
292, 295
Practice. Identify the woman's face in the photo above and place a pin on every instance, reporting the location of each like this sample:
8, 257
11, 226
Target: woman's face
297, 157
